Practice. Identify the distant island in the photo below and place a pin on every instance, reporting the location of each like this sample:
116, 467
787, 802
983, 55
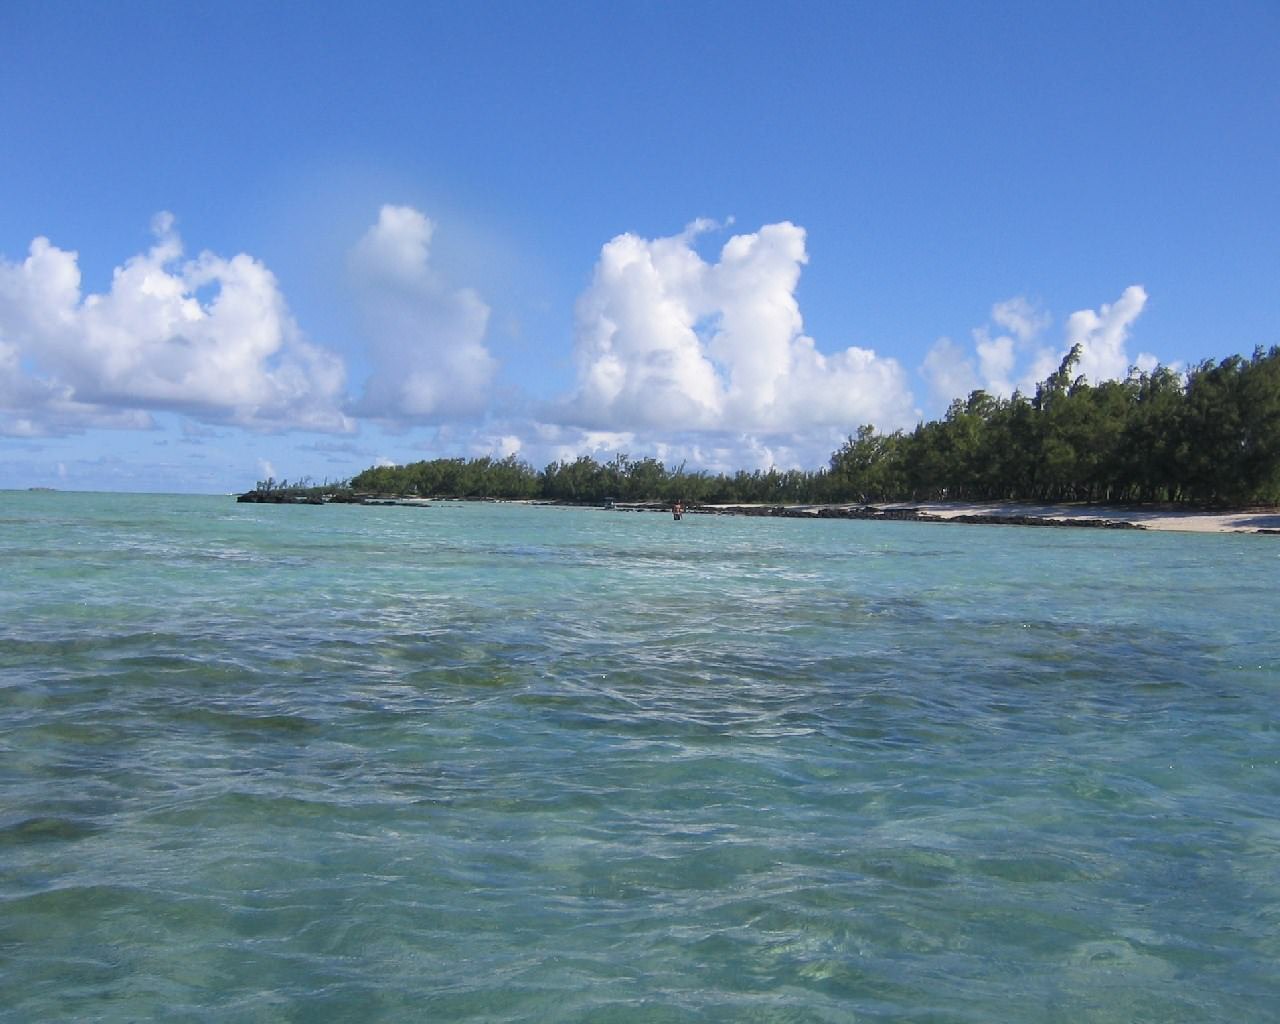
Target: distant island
1208, 438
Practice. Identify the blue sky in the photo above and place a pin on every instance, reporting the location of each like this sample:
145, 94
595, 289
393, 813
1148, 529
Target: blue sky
303, 238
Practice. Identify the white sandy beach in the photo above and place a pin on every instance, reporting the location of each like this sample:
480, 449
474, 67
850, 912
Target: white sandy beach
1185, 521
1154, 518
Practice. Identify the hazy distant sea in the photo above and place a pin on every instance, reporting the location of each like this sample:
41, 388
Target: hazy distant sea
496, 763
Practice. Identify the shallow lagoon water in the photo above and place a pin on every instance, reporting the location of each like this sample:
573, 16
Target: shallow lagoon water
497, 763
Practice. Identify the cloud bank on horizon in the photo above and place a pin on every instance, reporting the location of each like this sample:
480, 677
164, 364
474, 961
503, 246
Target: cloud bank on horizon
674, 355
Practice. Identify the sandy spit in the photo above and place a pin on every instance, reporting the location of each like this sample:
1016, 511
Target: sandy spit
1182, 520
1185, 521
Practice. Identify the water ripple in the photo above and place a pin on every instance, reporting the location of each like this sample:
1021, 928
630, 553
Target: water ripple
562, 765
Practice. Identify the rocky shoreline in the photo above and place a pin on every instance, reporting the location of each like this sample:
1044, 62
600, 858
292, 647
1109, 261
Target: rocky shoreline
876, 513
1071, 516
286, 498
914, 515
1255, 521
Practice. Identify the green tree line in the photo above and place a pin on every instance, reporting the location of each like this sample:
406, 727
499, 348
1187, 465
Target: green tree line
1210, 436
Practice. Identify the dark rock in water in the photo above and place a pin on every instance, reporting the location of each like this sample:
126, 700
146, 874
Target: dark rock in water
1023, 520
279, 498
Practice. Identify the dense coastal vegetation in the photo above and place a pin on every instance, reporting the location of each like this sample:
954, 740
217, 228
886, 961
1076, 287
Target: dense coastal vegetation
1210, 436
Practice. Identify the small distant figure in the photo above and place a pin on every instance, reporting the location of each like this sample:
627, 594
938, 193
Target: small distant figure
677, 510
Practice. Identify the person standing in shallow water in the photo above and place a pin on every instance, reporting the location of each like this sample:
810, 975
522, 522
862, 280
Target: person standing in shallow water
677, 509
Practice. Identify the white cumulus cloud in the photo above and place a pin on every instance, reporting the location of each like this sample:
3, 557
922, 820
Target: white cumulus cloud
949, 371
211, 337
666, 339
1102, 335
425, 338
1020, 317
1019, 358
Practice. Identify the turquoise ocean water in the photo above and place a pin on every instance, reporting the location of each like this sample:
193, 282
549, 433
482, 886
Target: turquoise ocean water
495, 763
